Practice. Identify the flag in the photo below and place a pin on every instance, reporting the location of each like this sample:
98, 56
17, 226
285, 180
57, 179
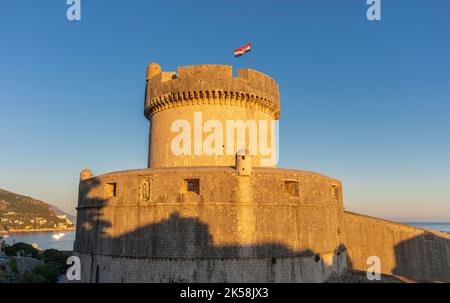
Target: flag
242, 50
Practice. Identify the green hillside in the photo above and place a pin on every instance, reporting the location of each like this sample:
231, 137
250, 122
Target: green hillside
18, 212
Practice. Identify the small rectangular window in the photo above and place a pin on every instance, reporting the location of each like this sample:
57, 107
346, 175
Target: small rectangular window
192, 185
292, 188
429, 236
111, 189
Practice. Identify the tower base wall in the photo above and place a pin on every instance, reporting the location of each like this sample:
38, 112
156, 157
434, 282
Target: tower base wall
110, 269
210, 224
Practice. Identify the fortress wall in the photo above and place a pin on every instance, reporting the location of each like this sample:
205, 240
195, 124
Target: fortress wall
403, 250
236, 229
194, 218
161, 135
153, 216
112, 269
183, 220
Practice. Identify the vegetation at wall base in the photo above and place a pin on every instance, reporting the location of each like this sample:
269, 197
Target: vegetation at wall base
52, 265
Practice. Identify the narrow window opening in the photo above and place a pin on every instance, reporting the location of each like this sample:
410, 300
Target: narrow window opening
291, 188
193, 185
111, 189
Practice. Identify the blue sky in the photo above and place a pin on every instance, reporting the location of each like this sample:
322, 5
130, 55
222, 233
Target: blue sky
365, 102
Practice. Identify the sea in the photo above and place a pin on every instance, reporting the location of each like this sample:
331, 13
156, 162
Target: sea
439, 226
61, 240
64, 240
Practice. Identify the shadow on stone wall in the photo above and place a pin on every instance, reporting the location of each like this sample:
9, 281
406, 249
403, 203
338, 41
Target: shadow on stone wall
420, 258
357, 275
187, 237
423, 258
410, 253
181, 237
92, 219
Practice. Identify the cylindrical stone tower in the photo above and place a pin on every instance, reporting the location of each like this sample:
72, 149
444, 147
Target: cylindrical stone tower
203, 116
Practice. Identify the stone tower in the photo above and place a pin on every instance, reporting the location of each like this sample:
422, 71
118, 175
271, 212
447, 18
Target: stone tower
210, 208
203, 97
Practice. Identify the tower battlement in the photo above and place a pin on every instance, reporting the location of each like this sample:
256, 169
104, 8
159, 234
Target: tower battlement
210, 84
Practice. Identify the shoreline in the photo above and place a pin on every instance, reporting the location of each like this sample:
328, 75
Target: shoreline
2, 232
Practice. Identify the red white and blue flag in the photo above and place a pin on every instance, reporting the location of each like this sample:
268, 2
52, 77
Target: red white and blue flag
242, 50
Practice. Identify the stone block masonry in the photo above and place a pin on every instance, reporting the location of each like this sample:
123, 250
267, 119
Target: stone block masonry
227, 218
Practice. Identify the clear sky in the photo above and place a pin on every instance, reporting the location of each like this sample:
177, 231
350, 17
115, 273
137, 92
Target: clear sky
365, 102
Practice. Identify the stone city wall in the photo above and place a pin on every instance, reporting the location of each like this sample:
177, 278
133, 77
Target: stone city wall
403, 250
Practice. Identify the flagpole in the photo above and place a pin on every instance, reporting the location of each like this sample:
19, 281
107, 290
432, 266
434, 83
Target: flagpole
250, 58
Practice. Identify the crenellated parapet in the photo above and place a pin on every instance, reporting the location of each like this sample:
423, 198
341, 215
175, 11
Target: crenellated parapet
210, 84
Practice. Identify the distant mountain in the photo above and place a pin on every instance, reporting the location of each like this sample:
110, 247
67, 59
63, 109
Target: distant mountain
23, 213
